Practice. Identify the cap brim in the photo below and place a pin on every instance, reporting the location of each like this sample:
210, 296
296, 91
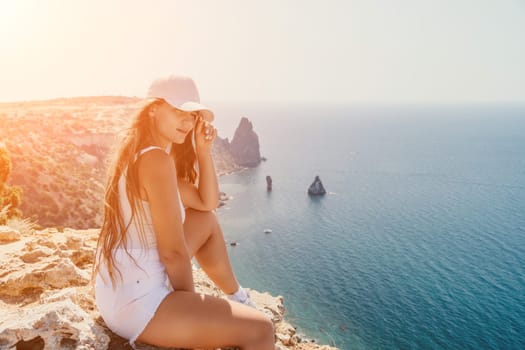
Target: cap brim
207, 114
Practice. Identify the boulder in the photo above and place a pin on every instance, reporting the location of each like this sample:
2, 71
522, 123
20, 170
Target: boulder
316, 188
8, 234
60, 324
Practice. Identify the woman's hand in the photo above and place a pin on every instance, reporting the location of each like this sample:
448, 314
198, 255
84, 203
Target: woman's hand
205, 134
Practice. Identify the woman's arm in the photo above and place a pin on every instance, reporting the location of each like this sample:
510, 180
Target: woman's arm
159, 179
206, 196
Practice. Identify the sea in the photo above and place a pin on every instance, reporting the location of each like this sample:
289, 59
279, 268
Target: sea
419, 242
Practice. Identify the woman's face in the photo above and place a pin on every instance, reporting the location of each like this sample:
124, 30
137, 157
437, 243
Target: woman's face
173, 124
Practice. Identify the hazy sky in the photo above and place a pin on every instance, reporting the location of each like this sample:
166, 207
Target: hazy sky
267, 51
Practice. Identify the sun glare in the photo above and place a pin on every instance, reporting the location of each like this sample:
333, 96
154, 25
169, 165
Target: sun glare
9, 10
11, 20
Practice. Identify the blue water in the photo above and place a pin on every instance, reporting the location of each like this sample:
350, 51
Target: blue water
420, 243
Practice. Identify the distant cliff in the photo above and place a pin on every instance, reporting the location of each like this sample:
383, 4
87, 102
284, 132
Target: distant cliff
245, 145
224, 161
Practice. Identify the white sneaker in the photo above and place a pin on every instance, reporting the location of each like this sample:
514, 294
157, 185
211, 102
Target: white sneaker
242, 299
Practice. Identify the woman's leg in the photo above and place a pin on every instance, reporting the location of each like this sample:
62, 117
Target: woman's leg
205, 240
191, 320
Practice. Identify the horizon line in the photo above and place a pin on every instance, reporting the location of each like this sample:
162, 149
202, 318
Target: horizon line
282, 102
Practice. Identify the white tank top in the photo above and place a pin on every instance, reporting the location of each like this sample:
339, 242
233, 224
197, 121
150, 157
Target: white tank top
133, 233
146, 257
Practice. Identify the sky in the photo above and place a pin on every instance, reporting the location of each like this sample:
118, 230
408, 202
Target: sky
272, 51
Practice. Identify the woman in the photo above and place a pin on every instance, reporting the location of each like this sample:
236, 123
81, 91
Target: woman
143, 277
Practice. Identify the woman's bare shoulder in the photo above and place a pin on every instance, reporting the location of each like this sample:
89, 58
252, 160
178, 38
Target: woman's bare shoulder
155, 165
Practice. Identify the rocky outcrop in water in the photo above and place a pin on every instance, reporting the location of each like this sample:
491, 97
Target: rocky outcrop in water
268, 183
316, 188
245, 145
46, 300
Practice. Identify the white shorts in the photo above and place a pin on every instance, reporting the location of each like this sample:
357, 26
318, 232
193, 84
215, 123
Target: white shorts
129, 307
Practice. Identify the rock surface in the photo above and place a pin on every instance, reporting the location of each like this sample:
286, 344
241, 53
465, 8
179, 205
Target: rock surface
47, 302
245, 145
8, 234
316, 188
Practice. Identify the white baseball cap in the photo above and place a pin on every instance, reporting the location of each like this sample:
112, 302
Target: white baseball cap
180, 92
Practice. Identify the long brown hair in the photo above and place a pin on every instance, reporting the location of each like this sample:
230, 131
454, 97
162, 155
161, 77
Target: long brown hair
185, 158
114, 229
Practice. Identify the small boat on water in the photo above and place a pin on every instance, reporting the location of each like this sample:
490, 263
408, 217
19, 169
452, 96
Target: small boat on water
267, 230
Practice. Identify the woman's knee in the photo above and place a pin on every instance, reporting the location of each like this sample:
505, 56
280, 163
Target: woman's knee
212, 223
267, 330
199, 224
203, 218
263, 331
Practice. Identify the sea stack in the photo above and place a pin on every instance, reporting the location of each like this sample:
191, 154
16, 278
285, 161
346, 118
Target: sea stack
316, 188
245, 145
268, 183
